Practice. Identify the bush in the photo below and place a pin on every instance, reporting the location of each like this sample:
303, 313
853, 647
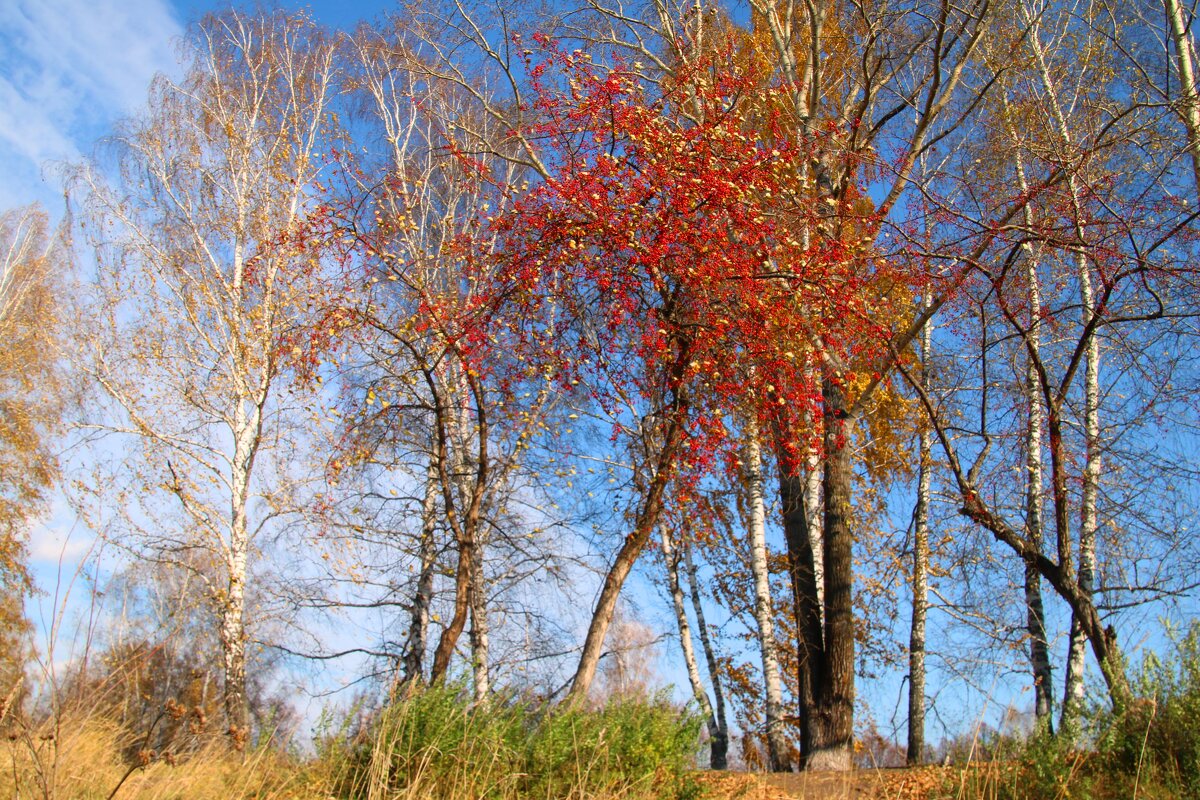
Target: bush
1150, 750
629, 744
1157, 739
435, 744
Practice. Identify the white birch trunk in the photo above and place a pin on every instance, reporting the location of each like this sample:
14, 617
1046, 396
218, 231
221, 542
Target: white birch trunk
412, 667
814, 509
777, 751
671, 556
1039, 647
1185, 62
479, 635
920, 577
1076, 659
1088, 518
720, 739
465, 440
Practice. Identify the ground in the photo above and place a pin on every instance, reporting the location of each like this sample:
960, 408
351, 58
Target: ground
864, 784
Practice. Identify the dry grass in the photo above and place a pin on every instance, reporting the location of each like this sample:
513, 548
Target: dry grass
85, 757
82, 758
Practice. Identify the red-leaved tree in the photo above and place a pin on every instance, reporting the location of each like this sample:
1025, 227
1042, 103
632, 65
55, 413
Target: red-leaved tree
667, 240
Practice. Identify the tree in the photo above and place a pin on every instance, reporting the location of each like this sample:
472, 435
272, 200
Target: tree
764, 613
33, 262
661, 237
714, 710
612, 246
851, 77
209, 249
919, 582
433, 400
857, 69
1188, 104
1085, 260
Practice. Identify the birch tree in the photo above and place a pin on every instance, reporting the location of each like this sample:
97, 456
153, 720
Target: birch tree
853, 70
1179, 24
208, 251
764, 612
431, 393
1082, 259
714, 711
919, 581
34, 261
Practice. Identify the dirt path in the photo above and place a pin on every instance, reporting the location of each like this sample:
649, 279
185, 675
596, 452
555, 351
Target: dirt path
882, 784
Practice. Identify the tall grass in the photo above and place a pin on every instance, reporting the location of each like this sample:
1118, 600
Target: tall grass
1147, 751
433, 744
436, 745
87, 757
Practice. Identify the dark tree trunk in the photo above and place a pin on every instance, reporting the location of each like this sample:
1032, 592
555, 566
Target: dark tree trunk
825, 653
1039, 649
451, 633
833, 720
810, 647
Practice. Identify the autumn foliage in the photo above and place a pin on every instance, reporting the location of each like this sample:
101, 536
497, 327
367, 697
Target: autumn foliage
429, 335
670, 235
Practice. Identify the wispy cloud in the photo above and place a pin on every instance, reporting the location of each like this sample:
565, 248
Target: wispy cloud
68, 69
55, 545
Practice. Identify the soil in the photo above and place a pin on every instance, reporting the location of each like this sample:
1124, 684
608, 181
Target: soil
863, 784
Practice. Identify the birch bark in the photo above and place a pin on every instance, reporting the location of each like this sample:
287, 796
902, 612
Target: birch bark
777, 749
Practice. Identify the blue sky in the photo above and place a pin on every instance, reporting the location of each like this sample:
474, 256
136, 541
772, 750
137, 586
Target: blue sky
70, 68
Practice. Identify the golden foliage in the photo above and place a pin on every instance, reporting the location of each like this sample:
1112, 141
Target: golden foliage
32, 258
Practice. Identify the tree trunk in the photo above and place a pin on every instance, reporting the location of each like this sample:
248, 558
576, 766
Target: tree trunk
810, 636
832, 718
412, 662
631, 548
233, 616
1073, 690
1039, 649
479, 638
451, 633
777, 747
920, 581
1089, 494
813, 478
671, 556
465, 526
471, 468
1059, 574
825, 652
1103, 640
1185, 61
233, 648
720, 739
1035, 614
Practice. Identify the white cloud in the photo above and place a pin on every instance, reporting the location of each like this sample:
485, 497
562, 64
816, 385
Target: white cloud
68, 69
54, 544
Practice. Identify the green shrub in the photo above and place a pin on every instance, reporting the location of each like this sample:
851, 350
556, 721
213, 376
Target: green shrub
435, 744
1149, 750
1157, 739
1039, 767
628, 744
